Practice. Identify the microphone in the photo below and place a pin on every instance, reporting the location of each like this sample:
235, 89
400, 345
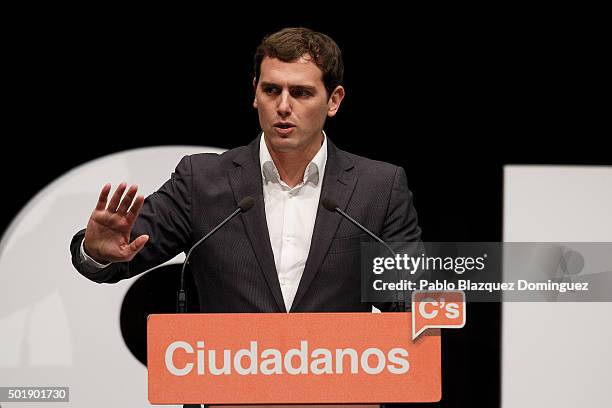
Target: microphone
243, 206
330, 205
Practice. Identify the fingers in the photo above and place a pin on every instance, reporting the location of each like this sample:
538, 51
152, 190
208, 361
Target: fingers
117, 204
101, 205
138, 244
127, 200
114, 202
135, 209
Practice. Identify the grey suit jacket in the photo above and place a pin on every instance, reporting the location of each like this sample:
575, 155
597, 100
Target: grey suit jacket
234, 271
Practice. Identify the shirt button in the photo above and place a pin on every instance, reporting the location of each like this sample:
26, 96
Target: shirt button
284, 282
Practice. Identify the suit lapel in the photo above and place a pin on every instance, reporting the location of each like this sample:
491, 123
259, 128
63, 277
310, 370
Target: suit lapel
338, 185
245, 180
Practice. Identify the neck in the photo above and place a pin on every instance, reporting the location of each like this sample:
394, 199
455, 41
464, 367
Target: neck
291, 165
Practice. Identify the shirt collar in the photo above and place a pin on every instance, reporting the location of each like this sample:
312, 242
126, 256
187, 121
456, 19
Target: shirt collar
314, 170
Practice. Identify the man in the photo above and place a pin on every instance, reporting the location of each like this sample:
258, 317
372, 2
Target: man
286, 253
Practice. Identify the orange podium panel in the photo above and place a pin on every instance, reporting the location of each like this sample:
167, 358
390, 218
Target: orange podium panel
296, 358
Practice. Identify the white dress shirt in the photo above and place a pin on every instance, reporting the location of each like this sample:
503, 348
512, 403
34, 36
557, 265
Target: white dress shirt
290, 215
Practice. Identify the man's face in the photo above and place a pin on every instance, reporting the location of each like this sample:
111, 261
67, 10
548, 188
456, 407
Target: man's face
292, 104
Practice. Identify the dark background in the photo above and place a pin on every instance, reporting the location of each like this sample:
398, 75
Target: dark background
450, 98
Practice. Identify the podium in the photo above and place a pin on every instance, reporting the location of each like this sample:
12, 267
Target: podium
296, 358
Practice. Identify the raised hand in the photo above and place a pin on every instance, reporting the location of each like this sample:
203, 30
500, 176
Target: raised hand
107, 238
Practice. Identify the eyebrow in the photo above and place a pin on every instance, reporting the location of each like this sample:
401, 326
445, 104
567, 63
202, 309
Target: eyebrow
293, 87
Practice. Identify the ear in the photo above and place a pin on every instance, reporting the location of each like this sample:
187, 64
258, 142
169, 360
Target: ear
255, 91
333, 104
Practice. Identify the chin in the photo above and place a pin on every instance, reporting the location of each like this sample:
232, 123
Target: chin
281, 143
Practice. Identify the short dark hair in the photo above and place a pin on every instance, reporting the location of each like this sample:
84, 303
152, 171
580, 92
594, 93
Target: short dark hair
290, 44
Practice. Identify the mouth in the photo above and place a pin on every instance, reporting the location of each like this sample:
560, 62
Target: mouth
284, 125
284, 128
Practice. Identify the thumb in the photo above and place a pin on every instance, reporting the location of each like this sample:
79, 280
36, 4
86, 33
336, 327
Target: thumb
138, 244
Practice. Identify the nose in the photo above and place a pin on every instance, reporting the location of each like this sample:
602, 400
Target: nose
284, 105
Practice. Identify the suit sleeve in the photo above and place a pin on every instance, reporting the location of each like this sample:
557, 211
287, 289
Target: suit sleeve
401, 222
401, 225
166, 216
